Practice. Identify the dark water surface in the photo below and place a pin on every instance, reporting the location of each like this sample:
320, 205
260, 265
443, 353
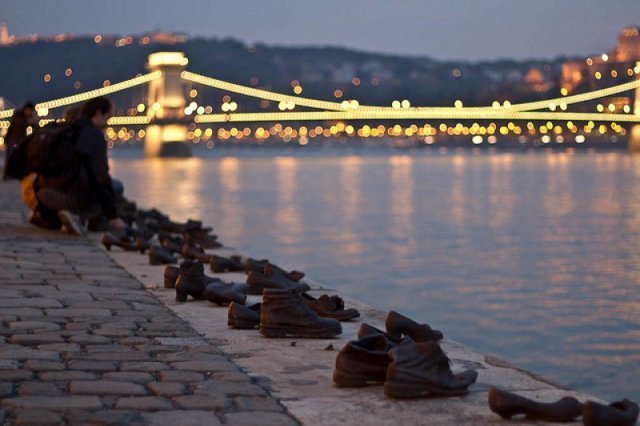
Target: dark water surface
534, 257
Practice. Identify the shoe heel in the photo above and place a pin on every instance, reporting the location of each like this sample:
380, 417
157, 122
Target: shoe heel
181, 297
346, 380
272, 332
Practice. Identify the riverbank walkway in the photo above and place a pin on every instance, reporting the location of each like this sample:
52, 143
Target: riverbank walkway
91, 337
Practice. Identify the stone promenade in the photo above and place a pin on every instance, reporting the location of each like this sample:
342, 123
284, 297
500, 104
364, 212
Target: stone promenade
83, 342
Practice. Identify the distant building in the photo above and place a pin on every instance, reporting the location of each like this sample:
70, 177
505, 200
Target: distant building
628, 48
5, 38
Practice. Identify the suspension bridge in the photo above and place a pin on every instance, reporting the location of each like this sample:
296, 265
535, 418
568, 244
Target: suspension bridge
168, 115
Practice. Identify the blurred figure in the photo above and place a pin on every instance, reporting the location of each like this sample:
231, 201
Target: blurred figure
20, 121
86, 190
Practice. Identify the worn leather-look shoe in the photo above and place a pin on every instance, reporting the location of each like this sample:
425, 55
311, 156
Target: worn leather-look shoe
195, 252
366, 330
221, 264
398, 325
259, 282
507, 405
159, 256
244, 317
419, 370
330, 307
202, 238
170, 275
362, 362
222, 293
192, 281
265, 267
619, 413
125, 243
284, 313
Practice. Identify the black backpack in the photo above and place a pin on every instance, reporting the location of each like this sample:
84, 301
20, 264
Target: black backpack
51, 152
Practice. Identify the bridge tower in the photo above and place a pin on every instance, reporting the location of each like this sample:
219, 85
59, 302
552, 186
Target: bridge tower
634, 137
166, 135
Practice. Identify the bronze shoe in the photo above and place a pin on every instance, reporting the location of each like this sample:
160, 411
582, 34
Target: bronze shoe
284, 313
362, 362
159, 256
125, 242
192, 281
259, 282
243, 317
170, 275
221, 264
366, 330
507, 405
398, 325
419, 370
202, 238
264, 267
195, 252
222, 293
330, 307
619, 413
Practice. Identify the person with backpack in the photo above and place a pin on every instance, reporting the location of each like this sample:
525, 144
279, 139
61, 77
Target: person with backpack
21, 120
83, 187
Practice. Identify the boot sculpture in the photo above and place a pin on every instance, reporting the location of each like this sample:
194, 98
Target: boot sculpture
222, 293
126, 243
170, 275
244, 317
169, 242
284, 313
330, 307
195, 252
202, 238
221, 264
419, 370
366, 330
507, 404
619, 413
362, 362
192, 281
264, 267
259, 282
398, 325
159, 256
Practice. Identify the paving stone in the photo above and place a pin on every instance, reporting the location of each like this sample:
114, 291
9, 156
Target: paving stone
191, 356
57, 403
89, 339
60, 347
181, 418
67, 376
202, 402
38, 302
206, 366
22, 312
181, 341
135, 340
214, 387
144, 403
167, 388
259, 418
106, 387
122, 355
84, 313
15, 375
34, 325
128, 376
256, 403
36, 339
6, 389
37, 417
112, 332
9, 364
180, 376
39, 365
105, 417
143, 366
38, 388
92, 365
26, 354
230, 376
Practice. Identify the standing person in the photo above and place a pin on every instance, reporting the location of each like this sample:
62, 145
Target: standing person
20, 122
85, 190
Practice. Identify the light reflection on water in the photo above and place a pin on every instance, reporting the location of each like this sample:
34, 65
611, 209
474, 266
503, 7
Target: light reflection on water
533, 257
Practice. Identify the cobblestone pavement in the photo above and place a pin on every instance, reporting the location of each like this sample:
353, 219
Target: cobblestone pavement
82, 342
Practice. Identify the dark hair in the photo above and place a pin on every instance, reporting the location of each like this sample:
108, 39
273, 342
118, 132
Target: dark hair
29, 104
92, 106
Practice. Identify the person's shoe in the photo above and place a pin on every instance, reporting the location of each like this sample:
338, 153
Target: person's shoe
507, 405
222, 293
192, 281
284, 313
170, 275
195, 252
619, 413
366, 330
244, 317
259, 282
159, 256
221, 264
422, 369
398, 325
330, 307
71, 222
362, 362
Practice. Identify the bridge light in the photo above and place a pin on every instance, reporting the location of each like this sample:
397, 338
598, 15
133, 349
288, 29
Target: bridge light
589, 61
140, 107
233, 106
564, 91
200, 110
552, 106
406, 104
496, 105
580, 139
605, 57
563, 106
395, 104
290, 105
626, 109
344, 105
612, 107
458, 104
282, 105
477, 139
337, 93
506, 104
598, 75
546, 139
600, 108
193, 93
297, 90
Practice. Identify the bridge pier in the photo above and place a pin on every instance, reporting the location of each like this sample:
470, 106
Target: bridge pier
166, 136
634, 137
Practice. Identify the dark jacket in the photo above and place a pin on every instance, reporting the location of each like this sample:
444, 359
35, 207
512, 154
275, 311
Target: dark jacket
90, 179
17, 129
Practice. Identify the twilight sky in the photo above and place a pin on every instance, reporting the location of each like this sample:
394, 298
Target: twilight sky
442, 29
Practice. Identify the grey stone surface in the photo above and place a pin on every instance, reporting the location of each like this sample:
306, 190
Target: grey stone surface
144, 403
202, 402
167, 389
56, 403
6, 389
128, 376
106, 387
39, 388
65, 376
256, 403
38, 417
181, 418
181, 376
260, 418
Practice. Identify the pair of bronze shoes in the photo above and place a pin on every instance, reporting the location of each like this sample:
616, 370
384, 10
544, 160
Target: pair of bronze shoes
408, 369
619, 413
125, 242
191, 281
263, 266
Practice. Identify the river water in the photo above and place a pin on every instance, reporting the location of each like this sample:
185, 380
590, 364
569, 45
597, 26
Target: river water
532, 256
